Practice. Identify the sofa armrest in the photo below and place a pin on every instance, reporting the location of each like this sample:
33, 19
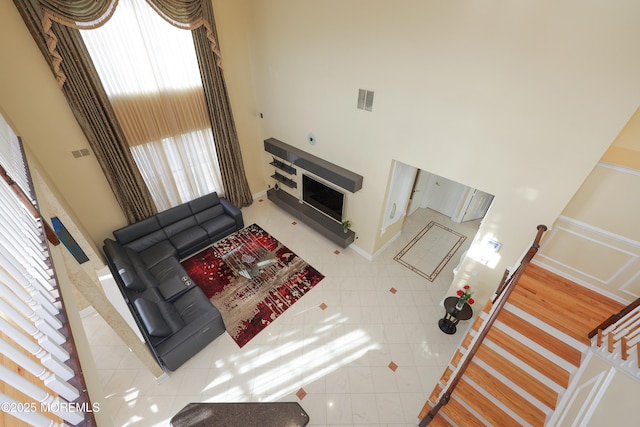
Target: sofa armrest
233, 212
175, 286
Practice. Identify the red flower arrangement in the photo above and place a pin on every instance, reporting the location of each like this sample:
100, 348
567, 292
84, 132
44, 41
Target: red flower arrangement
465, 294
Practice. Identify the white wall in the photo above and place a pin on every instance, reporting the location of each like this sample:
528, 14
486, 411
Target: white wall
517, 99
601, 394
596, 242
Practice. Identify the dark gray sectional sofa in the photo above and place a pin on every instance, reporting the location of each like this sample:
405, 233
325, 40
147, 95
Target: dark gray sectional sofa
175, 317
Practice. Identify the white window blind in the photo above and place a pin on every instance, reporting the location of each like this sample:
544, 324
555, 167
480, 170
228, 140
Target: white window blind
11, 157
37, 391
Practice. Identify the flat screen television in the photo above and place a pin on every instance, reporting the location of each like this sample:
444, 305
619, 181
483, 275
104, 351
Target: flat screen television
322, 197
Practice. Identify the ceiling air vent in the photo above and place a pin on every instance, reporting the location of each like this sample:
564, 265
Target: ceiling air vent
365, 99
81, 153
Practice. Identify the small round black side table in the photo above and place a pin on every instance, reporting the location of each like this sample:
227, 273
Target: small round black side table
452, 315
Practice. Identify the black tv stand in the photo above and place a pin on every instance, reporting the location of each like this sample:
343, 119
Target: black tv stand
318, 221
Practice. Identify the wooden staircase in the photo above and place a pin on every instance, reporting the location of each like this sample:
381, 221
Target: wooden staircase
527, 359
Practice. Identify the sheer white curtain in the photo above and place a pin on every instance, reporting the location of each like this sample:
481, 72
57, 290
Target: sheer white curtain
150, 72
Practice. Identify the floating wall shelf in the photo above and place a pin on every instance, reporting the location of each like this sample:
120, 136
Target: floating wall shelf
283, 166
333, 173
286, 181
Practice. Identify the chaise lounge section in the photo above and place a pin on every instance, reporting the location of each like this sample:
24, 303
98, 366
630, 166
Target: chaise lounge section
175, 317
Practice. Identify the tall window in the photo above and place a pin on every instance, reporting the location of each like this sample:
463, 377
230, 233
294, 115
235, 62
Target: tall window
150, 73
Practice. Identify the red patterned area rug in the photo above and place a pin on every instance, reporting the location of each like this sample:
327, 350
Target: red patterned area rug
251, 278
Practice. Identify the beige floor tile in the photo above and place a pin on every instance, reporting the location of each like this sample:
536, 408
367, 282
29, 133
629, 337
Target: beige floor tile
338, 356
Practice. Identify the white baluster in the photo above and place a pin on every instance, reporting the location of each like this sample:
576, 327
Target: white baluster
49, 360
31, 312
29, 327
28, 388
32, 418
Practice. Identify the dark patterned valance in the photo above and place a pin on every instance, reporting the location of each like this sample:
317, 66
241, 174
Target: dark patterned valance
88, 14
53, 25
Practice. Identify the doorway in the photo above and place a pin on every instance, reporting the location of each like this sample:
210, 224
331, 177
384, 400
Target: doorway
457, 201
419, 198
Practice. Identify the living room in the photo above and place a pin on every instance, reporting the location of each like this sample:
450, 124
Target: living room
497, 98
430, 108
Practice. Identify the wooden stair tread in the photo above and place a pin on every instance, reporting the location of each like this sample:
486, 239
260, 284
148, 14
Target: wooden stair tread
547, 276
521, 378
514, 401
430, 403
458, 411
530, 357
545, 339
577, 298
437, 390
471, 397
466, 341
447, 374
456, 358
597, 301
550, 313
439, 421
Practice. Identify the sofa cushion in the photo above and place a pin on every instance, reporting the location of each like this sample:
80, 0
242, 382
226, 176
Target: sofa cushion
180, 226
171, 316
206, 208
190, 241
167, 268
152, 318
146, 242
134, 257
204, 202
209, 213
175, 215
137, 230
191, 305
145, 276
157, 253
219, 226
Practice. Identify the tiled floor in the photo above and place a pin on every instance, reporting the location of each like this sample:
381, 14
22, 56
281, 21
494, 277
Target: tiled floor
361, 348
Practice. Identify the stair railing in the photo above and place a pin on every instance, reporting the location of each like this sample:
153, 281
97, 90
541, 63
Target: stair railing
504, 290
622, 333
614, 318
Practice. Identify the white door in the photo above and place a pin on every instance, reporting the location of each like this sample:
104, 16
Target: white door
444, 195
477, 206
419, 190
399, 191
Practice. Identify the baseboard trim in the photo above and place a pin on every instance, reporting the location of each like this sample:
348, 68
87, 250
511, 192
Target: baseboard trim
259, 194
386, 245
367, 255
361, 252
